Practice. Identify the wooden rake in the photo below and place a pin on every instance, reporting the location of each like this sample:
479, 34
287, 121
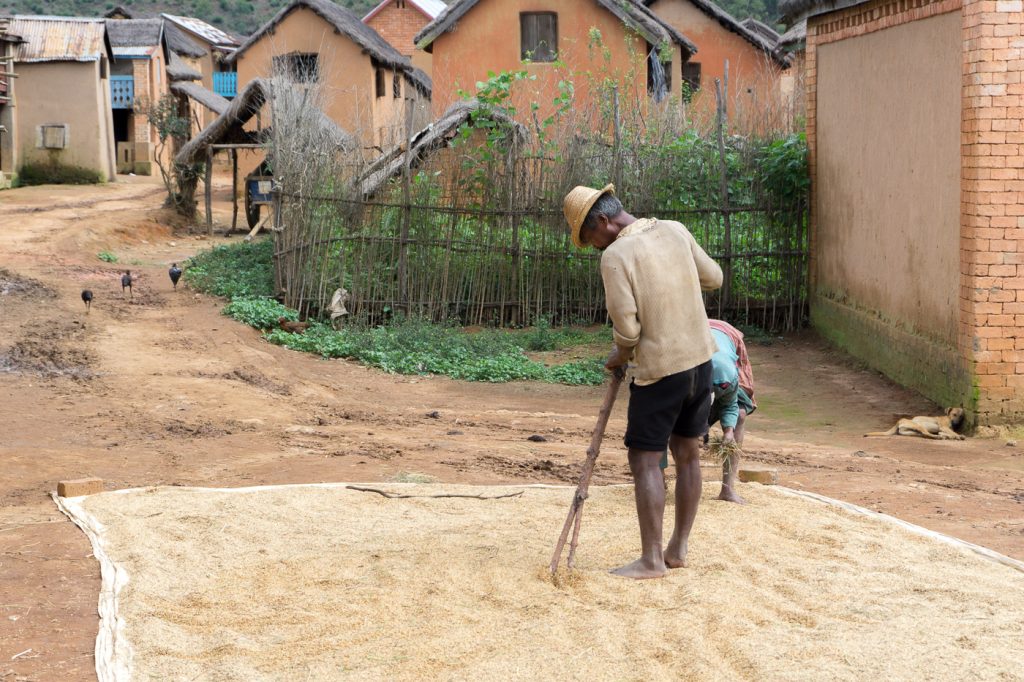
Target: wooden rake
576, 508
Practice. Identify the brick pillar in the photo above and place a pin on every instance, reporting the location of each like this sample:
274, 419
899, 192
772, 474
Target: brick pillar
991, 337
140, 124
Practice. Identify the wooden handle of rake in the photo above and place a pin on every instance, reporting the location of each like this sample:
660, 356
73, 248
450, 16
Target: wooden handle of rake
576, 508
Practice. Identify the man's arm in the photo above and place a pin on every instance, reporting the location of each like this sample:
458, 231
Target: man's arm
730, 413
622, 309
708, 271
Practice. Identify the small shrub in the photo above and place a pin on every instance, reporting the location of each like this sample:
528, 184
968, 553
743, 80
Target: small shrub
242, 270
57, 174
106, 257
261, 313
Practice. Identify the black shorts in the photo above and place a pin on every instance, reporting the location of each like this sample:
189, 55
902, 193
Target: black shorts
677, 404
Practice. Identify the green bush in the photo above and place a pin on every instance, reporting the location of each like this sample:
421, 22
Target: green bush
57, 174
261, 313
107, 257
242, 270
243, 273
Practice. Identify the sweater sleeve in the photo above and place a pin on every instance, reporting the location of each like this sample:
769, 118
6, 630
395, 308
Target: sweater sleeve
708, 271
622, 308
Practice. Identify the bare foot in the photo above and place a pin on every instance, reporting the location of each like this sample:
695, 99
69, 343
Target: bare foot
729, 495
640, 570
675, 557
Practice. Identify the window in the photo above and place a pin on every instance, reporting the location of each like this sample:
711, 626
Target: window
691, 79
302, 68
400, 4
380, 84
396, 85
538, 36
53, 136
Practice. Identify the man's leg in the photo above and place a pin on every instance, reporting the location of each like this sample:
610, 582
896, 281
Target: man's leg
731, 465
686, 452
648, 483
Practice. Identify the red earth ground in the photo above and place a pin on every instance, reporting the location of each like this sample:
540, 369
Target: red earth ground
160, 389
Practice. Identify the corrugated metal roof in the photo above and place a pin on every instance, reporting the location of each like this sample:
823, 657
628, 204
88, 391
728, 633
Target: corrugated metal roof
51, 39
211, 34
134, 51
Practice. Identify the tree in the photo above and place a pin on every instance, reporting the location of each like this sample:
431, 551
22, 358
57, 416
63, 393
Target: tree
173, 130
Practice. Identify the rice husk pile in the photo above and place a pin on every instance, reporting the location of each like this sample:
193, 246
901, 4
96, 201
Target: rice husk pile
325, 583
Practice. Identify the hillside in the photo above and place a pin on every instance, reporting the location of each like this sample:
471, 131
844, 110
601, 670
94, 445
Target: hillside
245, 16
236, 16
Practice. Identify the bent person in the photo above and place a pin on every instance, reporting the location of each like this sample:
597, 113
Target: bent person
732, 380
654, 272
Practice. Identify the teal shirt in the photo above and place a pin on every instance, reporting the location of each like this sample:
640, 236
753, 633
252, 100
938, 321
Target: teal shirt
725, 379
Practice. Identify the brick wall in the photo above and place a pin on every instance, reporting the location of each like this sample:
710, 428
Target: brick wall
992, 205
990, 338
399, 25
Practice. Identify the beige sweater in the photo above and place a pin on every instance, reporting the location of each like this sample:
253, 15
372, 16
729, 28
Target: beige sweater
653, 276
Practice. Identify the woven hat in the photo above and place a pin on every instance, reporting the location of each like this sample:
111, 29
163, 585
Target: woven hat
578, 203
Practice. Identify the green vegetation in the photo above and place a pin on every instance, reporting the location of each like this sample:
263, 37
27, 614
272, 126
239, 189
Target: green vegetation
107, 257
57, 174
243, 273
235, 16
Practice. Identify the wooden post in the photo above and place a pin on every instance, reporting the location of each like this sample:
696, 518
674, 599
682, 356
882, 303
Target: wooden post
723, 185
403, 285
209, 191
234, 189
617, 141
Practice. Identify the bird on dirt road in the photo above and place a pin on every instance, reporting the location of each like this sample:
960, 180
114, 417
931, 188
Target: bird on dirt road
291, 326
126, 283
87, 300
175, 273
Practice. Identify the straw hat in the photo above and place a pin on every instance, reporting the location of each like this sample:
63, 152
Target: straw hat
577, 204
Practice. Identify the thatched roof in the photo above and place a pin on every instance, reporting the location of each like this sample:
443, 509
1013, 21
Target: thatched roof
178, 70
198, 93
134, 36
344, 22
178, 41
419, 80
762, 29
118, 12
435, 136
228, 128
635, 16
793, 11
730, 23
795, 36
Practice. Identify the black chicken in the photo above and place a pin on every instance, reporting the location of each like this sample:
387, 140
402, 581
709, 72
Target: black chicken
175, 273
87, 300
126, 283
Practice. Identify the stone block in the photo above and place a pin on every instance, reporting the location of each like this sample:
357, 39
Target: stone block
80, 486
760, 475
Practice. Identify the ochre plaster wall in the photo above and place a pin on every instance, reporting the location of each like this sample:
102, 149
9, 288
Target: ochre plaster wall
66, 93
346, 73
753, 75
487, 38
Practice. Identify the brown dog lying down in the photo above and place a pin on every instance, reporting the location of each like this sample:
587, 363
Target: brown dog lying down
939, 428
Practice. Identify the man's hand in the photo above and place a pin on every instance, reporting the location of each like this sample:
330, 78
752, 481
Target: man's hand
619, 357
729, 435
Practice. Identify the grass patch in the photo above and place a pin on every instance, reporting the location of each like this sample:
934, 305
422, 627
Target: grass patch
57, 174
243, 273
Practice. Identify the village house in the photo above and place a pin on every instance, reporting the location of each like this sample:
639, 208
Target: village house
915, 126
368, 87
746, 60
215, 47
598, 41
137, 81
398, 22
60, 113
7, 42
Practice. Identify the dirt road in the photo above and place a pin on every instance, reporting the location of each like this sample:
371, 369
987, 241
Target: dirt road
161, 389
